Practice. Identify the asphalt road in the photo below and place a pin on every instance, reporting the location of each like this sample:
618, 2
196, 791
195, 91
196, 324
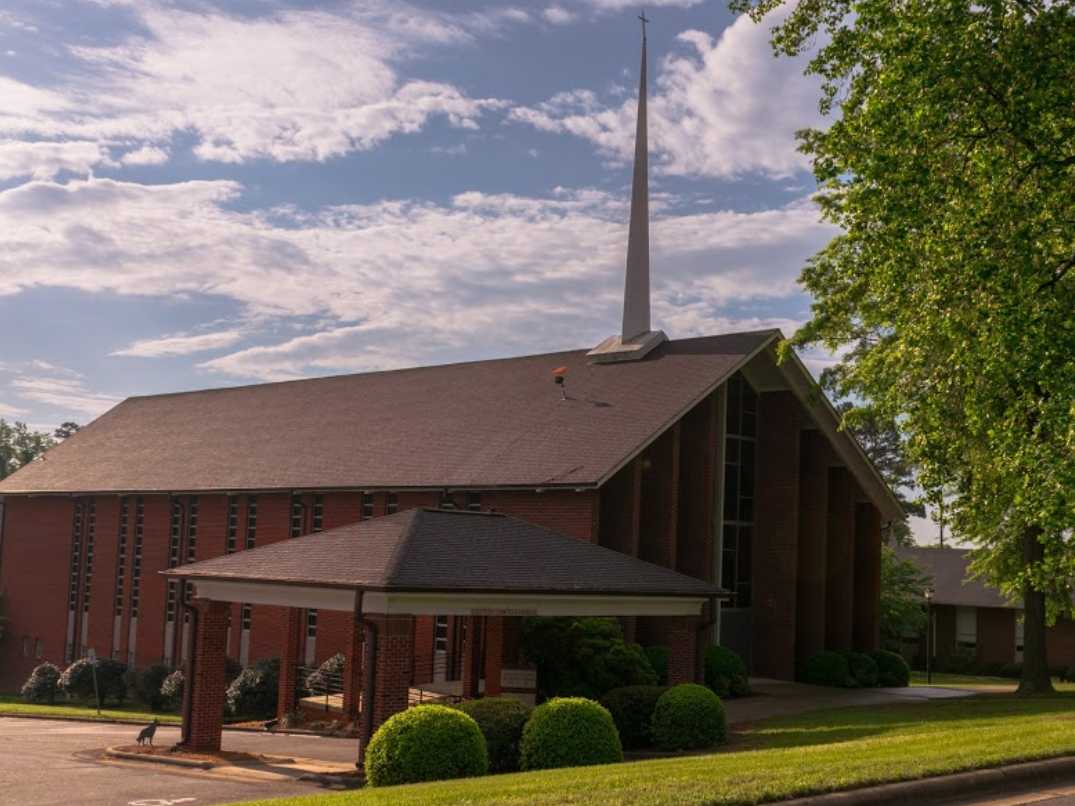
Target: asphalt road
58, 762
1047, 794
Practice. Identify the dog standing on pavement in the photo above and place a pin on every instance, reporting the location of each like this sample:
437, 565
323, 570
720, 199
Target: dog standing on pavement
146, 734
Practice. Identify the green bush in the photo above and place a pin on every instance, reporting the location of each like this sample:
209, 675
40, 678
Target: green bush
892, 669
171, 690
328, 677
147, 685
254, 692
425, 743
725, 672
863, 668
583, 657
632, 711
658, 659
689, 717
501, 721
1012, 670
77, 680
42, 685
569, 732
828, 668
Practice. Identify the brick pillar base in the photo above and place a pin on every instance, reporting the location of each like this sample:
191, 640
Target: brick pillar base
394, 663
681, 638
352, 671
206, 680
290, 655
494, 654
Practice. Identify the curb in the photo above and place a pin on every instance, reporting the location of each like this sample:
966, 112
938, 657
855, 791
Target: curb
115, 752
108, 720
960, 784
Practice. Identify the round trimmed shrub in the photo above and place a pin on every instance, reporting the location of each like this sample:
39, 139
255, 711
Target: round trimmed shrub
254, 692
171, 690
862, 668
501, 721
725, 672
569, 732
42, 685
328, 676
77, 680
632, 711
892, 669
689, 717
828, 668
426, 743
658, 659
147, 685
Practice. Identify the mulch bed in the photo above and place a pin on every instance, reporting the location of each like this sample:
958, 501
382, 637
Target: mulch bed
224, 757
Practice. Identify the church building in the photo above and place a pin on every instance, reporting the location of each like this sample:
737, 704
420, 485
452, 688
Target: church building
702, 455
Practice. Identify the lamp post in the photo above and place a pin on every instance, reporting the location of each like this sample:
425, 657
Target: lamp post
929, 636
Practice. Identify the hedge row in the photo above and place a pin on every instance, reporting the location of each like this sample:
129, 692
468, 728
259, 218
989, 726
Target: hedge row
845, 669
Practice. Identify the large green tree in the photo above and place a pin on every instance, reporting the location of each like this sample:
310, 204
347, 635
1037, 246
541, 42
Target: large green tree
948, 162
20, 445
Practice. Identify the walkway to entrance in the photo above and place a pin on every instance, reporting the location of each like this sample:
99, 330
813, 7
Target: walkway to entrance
486, 567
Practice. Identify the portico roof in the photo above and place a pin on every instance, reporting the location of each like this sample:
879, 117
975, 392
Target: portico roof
448, 562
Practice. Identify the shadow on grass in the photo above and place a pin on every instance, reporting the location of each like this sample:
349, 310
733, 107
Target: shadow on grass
838, 725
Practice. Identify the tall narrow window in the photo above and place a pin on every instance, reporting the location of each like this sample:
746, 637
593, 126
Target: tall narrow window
136, 559
91, 539
298, 515
391, 503
741, 429
75, 570
251, 520
367, 506
233, 525
317, 517
121, 554
440, 634
175, 540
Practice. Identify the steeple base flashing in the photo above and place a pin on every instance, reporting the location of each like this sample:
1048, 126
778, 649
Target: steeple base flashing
615, 348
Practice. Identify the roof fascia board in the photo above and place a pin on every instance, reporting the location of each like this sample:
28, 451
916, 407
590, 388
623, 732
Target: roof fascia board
746, 359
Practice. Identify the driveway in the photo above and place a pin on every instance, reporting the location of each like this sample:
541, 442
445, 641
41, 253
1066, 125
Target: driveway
58, 762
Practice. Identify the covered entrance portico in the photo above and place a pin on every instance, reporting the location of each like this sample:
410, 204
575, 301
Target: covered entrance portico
488, 568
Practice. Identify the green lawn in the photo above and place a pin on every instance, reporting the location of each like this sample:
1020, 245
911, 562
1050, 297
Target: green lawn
14, 705
979, 682
780, 758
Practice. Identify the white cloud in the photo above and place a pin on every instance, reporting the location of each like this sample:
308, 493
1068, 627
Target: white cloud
7, 410
45, 159
558, 15
146, 155
398, 282
620, 5
68, 395
719, 108
291, 85
181, 344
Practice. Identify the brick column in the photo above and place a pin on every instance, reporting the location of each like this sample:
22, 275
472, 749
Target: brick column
813, 527
680, 634
393, 663
290, 658
352, 671
866, 619
206, 679
774, 560
839, 562
472, 658
494, 654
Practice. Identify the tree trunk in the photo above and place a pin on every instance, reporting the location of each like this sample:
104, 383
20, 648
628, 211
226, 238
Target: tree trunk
1035, 679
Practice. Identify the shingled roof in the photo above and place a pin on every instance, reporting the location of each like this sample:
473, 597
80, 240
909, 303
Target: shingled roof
431, 550
951, 585
484, 424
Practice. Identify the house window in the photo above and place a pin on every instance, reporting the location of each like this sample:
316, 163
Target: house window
298, 515
741, 428
136, 559
446, 501
391, 503
175, 539
233, 524
318, 515
251, 520
474, 502
367, 506
311, 623
440, 634
244, 617
967, 627
121, 553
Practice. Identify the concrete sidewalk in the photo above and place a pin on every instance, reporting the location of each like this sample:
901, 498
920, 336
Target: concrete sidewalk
784, 698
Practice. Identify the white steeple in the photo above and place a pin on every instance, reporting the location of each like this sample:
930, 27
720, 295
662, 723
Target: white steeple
636, 338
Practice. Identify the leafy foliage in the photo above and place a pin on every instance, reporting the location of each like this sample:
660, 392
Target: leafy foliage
328, 676
892, 669
77, 680
501, 721
828, 668
19, 445
951, 173
171, 690
569, 732
903, 584
631, 708
425, 743
725, 672
689, 717
658, 660
862, 667
42, 685
254, 692
147, 685
583, 657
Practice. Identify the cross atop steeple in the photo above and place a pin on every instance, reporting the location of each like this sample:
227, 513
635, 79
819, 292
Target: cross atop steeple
635, 339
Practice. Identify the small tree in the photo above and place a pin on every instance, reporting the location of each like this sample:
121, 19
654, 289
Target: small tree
902, 604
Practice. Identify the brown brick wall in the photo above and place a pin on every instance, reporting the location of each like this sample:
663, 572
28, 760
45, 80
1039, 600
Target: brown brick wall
839, 563
814, 462
776, 536
103, 590
996, 635
866, 616
267, 623
698, 459
150, 637
1060, 643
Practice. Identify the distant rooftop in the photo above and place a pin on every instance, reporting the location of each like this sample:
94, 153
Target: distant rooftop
951, 586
